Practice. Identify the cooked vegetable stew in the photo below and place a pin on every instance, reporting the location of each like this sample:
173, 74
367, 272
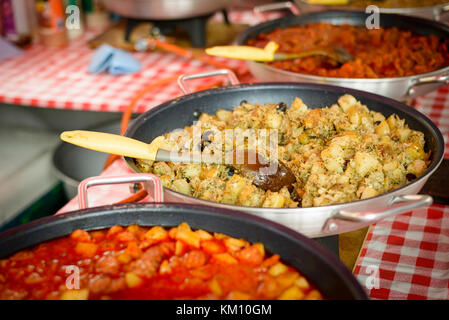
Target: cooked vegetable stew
378, 53
341, 153
137, 262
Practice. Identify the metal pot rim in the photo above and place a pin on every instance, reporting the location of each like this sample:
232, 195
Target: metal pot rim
438, 157
441, 71
384, 10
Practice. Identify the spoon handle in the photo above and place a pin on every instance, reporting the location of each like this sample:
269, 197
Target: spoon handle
289, 56
112, 143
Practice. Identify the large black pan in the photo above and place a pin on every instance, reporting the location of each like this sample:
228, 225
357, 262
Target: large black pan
320, 266
316, 221
399, 88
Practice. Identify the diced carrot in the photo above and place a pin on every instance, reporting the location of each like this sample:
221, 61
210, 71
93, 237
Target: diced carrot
133, 249
271, 260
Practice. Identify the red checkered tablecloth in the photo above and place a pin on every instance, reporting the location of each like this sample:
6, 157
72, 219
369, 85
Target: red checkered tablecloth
58, 78
404, 257
407, 256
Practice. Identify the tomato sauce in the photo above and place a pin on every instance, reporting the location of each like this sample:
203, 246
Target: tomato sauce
150, 263
378, 53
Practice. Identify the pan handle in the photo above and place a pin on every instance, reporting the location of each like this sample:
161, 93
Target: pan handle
183, 78
158, 193
444, 79
258, 10
439, 11
398, 204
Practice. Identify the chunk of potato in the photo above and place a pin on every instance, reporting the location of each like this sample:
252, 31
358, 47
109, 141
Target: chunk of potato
182, 186
80, 294
287, 278
259, 246
224, 258
299, 106
223, 115
415, 151
132, 279
157, 233
302, 283
189, 237
364, 163
238, 295
346, 101
417, 167
86, 249
382, 129
165, 267
204, 235
161, 168
215, 287
273, 200
277, 269
368, 192
292, 293
233, 244
314, 295
180, 248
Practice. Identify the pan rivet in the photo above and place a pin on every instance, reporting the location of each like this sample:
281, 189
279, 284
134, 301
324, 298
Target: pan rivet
333, 227
134, 188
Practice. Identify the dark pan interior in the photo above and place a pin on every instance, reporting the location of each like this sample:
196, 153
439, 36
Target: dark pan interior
415, 24
178, 113
320, 266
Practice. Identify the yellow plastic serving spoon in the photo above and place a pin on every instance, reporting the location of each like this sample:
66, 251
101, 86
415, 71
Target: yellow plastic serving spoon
268, 53
128, 147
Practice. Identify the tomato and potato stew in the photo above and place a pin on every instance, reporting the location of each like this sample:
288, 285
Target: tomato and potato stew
137, 262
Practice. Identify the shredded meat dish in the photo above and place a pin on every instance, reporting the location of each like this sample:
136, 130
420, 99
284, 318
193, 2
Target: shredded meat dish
378, 53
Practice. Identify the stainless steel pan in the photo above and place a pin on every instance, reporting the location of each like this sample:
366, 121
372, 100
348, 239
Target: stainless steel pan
436, 12
316, 221
400, 88
165, 9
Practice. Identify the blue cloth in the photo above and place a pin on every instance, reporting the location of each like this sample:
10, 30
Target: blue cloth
8, 50
113, 60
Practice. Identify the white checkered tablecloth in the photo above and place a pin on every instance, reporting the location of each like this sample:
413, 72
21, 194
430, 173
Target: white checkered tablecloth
404, 257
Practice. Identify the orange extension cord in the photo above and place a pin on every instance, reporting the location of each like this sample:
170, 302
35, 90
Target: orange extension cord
127, 113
